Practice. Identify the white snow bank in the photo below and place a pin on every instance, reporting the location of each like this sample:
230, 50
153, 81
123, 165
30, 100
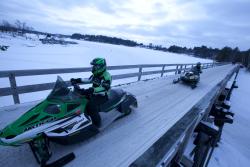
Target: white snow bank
234, 149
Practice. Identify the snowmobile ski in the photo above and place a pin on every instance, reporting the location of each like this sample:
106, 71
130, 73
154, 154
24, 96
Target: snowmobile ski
61, 161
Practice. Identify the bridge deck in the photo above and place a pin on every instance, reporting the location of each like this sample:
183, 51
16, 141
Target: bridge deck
160, 105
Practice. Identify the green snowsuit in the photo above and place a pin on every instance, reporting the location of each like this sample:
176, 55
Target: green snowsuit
101, 85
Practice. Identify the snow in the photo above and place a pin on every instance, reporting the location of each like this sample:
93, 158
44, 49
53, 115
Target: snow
160, 105
32, 54
29, 53
234, 148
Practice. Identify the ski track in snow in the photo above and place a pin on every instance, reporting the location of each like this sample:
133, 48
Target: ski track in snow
161, 104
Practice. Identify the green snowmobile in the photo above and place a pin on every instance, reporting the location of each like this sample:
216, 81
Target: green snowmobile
61, 118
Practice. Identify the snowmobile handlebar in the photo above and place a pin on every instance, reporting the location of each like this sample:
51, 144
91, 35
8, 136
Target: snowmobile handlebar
76, 86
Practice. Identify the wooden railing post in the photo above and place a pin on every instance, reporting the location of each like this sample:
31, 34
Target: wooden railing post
140, 73
162, 71
181, 69
185, 67
176, 71
13, 86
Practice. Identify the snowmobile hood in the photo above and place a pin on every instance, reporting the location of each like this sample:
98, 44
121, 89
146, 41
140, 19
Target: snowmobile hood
30, 123
31, 119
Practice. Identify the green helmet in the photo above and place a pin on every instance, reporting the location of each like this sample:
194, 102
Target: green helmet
98, 66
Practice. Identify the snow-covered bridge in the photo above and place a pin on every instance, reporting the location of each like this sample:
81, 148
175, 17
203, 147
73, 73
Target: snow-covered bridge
151, 135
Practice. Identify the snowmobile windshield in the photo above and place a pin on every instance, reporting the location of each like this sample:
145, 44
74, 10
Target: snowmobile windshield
61, 91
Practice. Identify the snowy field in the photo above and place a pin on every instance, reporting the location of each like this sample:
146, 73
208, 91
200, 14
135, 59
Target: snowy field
234, 148
32, 54
29, 53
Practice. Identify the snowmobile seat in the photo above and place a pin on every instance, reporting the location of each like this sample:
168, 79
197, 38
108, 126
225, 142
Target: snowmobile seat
114, 97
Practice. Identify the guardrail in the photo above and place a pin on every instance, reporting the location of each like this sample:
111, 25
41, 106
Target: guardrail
16, 90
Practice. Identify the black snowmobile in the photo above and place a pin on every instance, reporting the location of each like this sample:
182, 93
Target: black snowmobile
61, 118
188, 78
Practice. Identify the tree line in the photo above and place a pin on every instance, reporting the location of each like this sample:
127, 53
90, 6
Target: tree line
18, 26
226, 54
105, 39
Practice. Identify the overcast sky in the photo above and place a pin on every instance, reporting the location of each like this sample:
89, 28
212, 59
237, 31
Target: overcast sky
214, 23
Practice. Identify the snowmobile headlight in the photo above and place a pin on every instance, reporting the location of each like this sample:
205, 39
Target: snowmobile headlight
191, 77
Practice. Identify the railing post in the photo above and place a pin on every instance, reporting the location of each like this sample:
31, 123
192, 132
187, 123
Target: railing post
180, 153
13, 86
181, 69
176, 70
185, 67
140, 73
162, 71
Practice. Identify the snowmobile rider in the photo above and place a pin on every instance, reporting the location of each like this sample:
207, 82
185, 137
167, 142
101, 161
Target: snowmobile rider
197, 69
98, 93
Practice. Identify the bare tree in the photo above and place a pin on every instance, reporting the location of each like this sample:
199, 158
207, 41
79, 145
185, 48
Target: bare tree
23, 26
18, 24
5, 23
6, 26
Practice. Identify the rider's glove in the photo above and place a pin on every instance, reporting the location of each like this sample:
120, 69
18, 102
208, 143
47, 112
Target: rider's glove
75, 81
89, 91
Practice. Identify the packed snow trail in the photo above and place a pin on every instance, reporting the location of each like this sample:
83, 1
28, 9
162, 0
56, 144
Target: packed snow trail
234, 148
161, 105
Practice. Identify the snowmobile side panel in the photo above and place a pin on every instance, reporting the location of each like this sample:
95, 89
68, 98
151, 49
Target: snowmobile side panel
130, 101
78, 136
115, 97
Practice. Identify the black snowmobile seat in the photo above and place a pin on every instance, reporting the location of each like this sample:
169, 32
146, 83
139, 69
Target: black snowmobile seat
114, 97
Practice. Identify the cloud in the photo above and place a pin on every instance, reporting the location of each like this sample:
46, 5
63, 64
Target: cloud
188, 23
